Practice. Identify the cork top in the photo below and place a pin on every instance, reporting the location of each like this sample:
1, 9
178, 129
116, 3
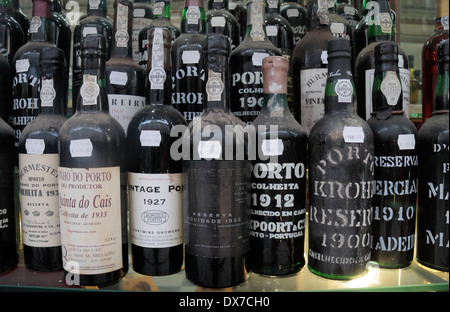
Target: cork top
275, 70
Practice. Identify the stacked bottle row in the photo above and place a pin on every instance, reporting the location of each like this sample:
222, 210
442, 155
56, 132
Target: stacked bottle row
231, 190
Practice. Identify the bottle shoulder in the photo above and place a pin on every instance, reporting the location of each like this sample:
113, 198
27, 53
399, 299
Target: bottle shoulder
436, 127
31, 47
247, 47
222, 12
390, 128
154, 115
315, 39
287, 126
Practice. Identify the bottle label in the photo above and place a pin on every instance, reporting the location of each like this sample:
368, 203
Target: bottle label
353, 134
406, 142
257, 21
385, 22
214, 86
123, 107
344, 90
216, 220
122, 37
90, 215
218, 21
35, 146
118, 78
90, 90
444, 22
158, 8
22, 66
312, 86
35, 24
157, 75
193, 15
156, 210
391, 87
93, 4
209, 150
272, 147
81, 148
48, 93
150, 138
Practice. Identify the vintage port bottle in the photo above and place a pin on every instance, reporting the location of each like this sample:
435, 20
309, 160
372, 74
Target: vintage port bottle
433, 209
341, 164
8, 247
92, 180
345, 9
151, 166
95, 22
161, 16
395, 138
221, 21
246, 89
215, 142
296, 15
429, 52
379, 29
310, 66
188, 73
26, 71
142, 17
38, 148
277, 229
125, 80
11, 33
239, 10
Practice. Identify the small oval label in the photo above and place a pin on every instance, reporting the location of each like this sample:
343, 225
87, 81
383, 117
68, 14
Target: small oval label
154, 217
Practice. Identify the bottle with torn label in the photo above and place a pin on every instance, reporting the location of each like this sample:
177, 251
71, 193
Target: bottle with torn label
161, 19
216, 175
246, 88
95, 22
188, 73
395, 185
220, 20
142, 17
433, 209
38, 169
379, 27
125, 80
155, 182
341, 164
278, 189
309, 66
92, 180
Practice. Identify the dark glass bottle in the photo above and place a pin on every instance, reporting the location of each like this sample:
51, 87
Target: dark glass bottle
26, 71
151, 166
5, 87
277, 229
161, 15
239, 10
8, 247
433, 208
11, 33
246, 90
310, 66
345, 9
379, 29
21, 18
95, 22
188, 74
220, 20
92, 180
215, 142
142, 17
429, 52
279, 32
341, 164
38, 148
62, 36
395, 137
125, 80
296, 15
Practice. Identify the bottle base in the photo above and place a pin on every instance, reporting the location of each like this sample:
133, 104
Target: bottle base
337, 276
432, 266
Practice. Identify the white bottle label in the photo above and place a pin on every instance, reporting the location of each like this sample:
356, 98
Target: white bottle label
90, 90
22, 66
344, 90
150, 138
218, 21
312, 88
156, 211
391, 87
353, 135
81, 148
90, 214
118, 78
48, 93
39, 201
124, 107
122, 37
190, 57
35, 146
273, 147
406, 141
209, 149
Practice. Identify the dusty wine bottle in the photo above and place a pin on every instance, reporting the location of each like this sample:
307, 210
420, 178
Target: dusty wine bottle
341, 164
216, 175
278, 188
38, 168
155, 182
92, 180
296, 15
142, 17
125, 80
310, 66
246, 89
433, 210
220, 20
395, 182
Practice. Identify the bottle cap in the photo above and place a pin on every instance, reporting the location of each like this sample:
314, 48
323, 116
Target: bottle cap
386, 51
338, 47
93, 45
217, 43
50, 59
275, 70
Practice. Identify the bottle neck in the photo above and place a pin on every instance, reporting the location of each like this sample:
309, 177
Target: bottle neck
256, 26
217, 4
387, 87
193, 18
442, 89
217, 95
56, 6
123, 19
275, 73
52, 94
317, 14
340, 96
97, 8
380, 25
161, 9
159, 67
40, 24
93, 96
